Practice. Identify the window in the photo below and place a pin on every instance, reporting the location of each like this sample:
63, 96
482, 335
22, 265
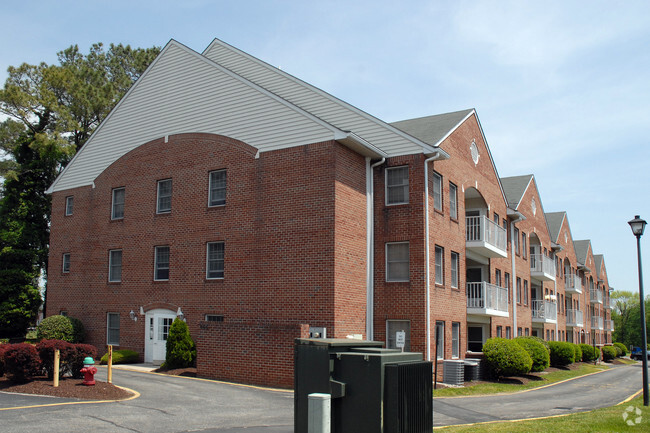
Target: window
162, 263
527, 332
499, 331
454, 269
455, 340
164, 196
213, 318
66, 263
437, 191
117, 209
113, 329
397, 185
525, 292
518, 290
496, 218
453, 201
217, 188
508, 332
215, 260
516, 241
523, 244
440, 276
497, 277
115, 266
395, 326
440, 339
506, 278
69, 205
397, 261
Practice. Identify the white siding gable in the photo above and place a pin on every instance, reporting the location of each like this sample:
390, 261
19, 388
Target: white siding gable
184, 92
323, 105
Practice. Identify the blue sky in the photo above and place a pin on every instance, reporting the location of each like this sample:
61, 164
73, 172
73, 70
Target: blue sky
562, 88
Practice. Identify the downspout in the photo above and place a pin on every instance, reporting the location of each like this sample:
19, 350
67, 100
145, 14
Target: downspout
438, 155
370, 247
516, 217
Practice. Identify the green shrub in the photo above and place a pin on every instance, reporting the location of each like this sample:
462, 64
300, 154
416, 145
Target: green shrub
506, 357
589, 353
537, 351
122, 356
78, 330
21, 362
622, 348
2, 362
609, 353
180, 347
578, 352
55, 328
562, 353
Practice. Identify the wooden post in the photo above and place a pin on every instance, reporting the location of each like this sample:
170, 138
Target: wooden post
57, 357
109, 378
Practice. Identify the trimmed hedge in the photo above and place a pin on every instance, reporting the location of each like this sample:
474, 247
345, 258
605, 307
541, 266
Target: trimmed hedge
562, 353
589, 353
622, 348
180, 351
21, 362
122, 356
506, 357
578, 352
609, 353
77, 356
55, 328
78, 330
2, 362
46, 350
537, 351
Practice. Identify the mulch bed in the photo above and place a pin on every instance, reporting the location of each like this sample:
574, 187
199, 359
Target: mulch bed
68, 388
187, 372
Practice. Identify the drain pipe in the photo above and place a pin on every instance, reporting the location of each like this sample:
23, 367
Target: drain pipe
370, 247
516, 217
438, 155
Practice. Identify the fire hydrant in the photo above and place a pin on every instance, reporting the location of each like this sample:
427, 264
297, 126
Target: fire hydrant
89, 371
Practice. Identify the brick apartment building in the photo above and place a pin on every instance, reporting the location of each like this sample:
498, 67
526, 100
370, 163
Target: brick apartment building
262, 209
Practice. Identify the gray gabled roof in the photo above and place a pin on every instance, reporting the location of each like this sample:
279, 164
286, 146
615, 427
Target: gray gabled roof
554, 222
433, 129
582, 249
599, 259
514, 188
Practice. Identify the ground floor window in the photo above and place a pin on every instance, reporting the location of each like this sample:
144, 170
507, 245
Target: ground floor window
440, 339
455, 340
395, 326
113, 329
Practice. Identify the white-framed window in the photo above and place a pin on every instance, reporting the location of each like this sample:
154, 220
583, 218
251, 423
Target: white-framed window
508, 332
397, 261
215, 260
164, 201
69, 205
516, 241
117, 207
455, 260
525, 292
113, 329
439, 268
397, 185
453, 201
455, 339
395, 326
217, 188
499, 331
66, 263
523, 244
115, 266
518, 290
161, 263
213, 318
437, 191
497, 277
440, 339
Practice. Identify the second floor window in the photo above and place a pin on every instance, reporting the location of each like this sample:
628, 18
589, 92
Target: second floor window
397, 261
117, 208
440, 276
215, 260
453, 201
217, 188
454, 269
164, 202
115, 266
66, 262
437, 191
69, 205
161, 265
397, 185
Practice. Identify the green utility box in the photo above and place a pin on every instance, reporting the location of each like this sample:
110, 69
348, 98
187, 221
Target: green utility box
362, 379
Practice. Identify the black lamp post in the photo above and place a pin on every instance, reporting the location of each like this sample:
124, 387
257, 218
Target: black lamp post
638, 226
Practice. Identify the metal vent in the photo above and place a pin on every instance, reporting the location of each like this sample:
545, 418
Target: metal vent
408, 398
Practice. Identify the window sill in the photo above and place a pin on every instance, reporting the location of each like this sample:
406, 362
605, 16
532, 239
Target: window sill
439, 211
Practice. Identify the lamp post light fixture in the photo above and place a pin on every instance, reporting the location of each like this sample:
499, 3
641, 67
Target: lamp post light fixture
638, 226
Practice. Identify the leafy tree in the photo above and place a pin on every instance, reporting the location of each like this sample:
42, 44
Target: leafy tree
52, 110
626, 315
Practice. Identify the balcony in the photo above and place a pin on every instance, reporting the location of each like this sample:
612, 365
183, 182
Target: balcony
542, 268
606, 303
572, 285
574, 319
544, 311
485, 238
609, 325
595, 296
485, 299
597, 323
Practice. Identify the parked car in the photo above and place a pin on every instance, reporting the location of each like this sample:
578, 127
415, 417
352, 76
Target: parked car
637, 353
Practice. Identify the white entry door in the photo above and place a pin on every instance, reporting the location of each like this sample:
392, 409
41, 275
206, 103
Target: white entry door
157, 323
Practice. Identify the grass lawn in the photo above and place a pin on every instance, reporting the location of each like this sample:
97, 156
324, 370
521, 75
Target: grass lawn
609, 419
529, 381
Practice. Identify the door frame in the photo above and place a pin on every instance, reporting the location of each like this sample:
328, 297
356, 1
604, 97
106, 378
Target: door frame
151, 331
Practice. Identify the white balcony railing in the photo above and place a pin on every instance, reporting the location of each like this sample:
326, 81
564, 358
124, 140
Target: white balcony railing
606, 303
572, 284
481, 232
597, 322
609, 325
544, 311
595, 296
487, 299
542, 267
574, 318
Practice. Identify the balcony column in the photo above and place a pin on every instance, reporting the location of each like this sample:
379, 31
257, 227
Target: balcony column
516, 217
557, 308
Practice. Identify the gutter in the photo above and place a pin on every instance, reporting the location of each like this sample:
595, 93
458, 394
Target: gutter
370, 246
